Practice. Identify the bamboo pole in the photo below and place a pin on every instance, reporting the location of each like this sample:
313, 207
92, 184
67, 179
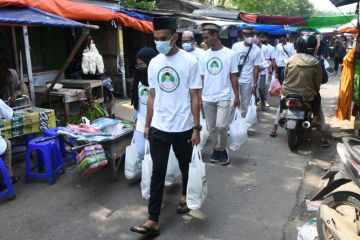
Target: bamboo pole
121, 59
68, 60
28, 64
15, 50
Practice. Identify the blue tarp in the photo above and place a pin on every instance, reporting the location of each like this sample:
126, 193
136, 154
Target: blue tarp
339, 3
271, 29
34, 17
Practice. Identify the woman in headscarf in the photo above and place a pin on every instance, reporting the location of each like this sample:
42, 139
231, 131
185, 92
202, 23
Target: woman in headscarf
10, 84
140, 94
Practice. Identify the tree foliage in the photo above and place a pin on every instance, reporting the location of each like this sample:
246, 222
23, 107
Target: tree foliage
269, 7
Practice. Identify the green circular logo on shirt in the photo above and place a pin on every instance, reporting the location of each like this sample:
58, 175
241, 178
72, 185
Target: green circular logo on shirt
168, 79
214, 66
144, 93
242, 60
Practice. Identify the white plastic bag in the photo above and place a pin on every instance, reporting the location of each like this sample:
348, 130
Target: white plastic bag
238, 131
326, 64
173, 173
204, 134
132, 162
146, 172
251, 115
197, 183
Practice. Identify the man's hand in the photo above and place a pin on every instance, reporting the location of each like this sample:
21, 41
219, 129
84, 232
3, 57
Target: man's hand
146, 133
14, 95
237, 102
195, 139
253, 90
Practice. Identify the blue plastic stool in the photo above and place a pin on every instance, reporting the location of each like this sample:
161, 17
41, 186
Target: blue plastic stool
53, 132
6, 182
49, 162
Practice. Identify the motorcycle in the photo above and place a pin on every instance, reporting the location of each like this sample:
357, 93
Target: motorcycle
296, 117
339, 214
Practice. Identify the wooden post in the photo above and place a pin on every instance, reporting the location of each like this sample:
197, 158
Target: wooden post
120, 59
15, 50
21, 73
28, 64
68, 60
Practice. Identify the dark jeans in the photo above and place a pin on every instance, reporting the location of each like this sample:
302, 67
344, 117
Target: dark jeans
281, 72
160, 143
262, 87
337, 62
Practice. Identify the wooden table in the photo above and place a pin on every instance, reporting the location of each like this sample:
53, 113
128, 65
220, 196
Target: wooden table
74, 90
67, 95
92, 87
114, 149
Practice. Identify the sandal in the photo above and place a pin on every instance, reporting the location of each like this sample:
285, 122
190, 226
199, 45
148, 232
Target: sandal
273, 132
147, 231
182, 208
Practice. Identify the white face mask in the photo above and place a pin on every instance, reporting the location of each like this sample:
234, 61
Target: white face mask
249, 40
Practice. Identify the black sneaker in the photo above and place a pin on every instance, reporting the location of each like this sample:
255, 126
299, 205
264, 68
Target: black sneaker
224, 157
215, 156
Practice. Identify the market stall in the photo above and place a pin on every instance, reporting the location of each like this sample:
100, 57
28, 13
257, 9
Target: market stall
112, 134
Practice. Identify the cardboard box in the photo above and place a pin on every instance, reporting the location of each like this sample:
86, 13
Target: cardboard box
123, 110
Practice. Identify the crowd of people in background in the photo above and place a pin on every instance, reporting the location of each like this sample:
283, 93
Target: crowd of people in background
217, 79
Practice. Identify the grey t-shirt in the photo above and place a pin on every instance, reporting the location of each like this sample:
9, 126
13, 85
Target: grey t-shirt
7, 90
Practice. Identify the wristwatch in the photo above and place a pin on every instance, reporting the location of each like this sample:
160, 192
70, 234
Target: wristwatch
197, 128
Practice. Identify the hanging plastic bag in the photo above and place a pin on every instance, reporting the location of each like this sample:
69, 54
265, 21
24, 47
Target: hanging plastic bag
251, 115
204, 134
146, 172
275, 88
238, 131
197, 183
132, 162
173, 173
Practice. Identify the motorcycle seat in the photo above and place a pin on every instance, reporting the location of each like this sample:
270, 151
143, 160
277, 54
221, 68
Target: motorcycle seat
294, 96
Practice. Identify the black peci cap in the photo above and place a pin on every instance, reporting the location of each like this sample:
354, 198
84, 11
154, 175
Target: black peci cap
161, 23
210, 26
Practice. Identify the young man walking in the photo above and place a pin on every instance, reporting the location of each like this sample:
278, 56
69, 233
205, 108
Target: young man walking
283, 51
218, 69
172, 115
248, 60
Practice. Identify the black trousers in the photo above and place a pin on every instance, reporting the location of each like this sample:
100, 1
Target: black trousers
160, 143
281, 73
337, 62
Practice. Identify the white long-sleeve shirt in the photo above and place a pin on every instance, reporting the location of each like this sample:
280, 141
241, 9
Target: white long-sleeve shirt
7, 113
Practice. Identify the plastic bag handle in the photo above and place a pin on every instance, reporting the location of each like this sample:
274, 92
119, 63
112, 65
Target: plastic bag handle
147, 146
196, 151
237, 114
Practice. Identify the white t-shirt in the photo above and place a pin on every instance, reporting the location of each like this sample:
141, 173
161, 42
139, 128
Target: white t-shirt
272, 51
198, 53
7, 113
144, 93
172, 78
216, 67
265, 59
283, 53
253, 59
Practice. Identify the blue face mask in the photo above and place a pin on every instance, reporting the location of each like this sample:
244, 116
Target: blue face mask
187, 46
163, 47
